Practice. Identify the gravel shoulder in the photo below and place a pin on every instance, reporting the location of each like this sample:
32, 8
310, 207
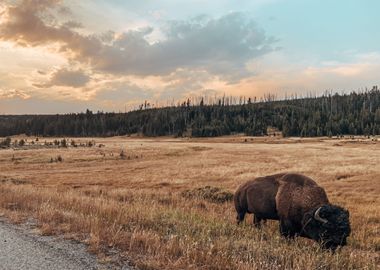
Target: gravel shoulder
21, 248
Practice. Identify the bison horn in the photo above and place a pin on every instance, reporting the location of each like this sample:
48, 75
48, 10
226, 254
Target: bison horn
318, 217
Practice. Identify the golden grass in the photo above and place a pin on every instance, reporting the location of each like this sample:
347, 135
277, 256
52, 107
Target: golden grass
134, 204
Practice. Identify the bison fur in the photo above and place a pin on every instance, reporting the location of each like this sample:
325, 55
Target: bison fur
301, 206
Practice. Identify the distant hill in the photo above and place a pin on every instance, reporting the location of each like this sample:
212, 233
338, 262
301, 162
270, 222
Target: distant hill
327, 115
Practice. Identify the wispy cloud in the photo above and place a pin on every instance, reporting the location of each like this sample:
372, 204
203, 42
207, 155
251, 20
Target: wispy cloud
13, 93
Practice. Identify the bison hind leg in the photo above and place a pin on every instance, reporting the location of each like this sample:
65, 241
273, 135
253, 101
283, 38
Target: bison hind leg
240, 217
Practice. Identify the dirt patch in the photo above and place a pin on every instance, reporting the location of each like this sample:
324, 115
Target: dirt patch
209, 193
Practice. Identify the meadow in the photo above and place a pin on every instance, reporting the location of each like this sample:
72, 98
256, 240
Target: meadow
125, 199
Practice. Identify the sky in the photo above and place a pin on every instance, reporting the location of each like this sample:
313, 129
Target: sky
63, 56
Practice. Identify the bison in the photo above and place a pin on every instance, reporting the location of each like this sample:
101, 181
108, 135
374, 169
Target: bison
301, 206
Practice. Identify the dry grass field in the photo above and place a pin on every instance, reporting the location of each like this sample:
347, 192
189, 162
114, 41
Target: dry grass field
132, 205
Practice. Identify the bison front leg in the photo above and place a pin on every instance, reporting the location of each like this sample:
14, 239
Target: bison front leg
286, 229
256, 221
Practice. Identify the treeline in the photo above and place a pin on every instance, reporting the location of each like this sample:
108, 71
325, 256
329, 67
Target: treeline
327, 115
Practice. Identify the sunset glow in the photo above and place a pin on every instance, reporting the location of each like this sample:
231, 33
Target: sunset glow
60, 56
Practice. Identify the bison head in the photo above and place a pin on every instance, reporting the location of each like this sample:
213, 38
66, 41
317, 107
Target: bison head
328, 224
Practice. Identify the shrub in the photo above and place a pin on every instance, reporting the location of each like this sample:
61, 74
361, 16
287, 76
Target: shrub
211, 194
59, 158
64, 143
6, 142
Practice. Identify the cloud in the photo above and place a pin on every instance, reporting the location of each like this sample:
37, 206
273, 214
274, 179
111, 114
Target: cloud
35, 105
360, 65
22, 23
13, 93
72, 24
277, 74
220, 46
66, 77
347, 70
123, 93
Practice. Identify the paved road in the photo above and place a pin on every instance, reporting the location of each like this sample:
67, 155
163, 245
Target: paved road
21, 249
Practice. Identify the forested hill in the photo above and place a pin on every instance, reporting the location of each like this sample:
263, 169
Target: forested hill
328, 115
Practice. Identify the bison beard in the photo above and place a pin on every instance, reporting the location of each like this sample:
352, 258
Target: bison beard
301, 206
